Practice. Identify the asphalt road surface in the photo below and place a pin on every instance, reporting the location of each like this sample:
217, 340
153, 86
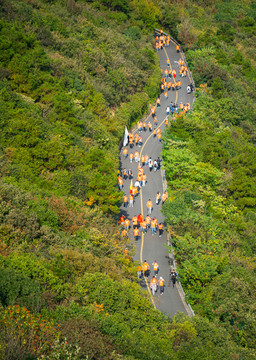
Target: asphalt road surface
150, 247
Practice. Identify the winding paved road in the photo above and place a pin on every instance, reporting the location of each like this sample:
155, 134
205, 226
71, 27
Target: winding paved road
150, 247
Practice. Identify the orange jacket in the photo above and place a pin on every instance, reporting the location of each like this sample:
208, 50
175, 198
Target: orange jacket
136, 232
149, 204
161, 282
153, 281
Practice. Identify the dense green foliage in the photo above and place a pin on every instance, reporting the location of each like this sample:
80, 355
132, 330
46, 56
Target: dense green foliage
72, 75
209, 157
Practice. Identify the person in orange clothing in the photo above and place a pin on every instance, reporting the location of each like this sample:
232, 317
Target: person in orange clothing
164, 196
139, 124
155, 267
148, 221
143, 226
136, 234
161, 229
154, 132
162, 87
178, 85
153, 226
144, 126
135, 222
144, 179
166, 73
159, 136
131, 156
173, 86
168, 62
125, 175
166, 122
161, 285
165, 84
146, 268
140, 141
158, 198
140, 169
166, 94
120, 182
155, 120
149, 206
149, 126
139, 218
177, 48
139, 271
134, 191
125, 200
126, 224
125, 153
158, 103
153, 285
136, 139
131, 138
121, 220
153, 111
136, 156
142, 159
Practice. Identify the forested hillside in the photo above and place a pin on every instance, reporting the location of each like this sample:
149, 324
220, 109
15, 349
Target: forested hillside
72, 75
210, 157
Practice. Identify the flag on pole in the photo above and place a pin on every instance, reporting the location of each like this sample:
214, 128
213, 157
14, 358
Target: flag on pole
126, 133
131, 185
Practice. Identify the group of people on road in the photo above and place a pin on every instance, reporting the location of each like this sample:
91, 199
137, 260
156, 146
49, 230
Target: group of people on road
138, 224
144, 270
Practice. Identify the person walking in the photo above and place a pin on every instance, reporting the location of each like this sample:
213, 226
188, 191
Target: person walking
143, 226
130, 200
136, 156
139, 271
155, 163
150, 164
158, 198
149, 206
153, 226
127, 224
125, 153
155, 267
144, 179
164, 196
146, 268
120, 182
173, 277
148, 221
131, 157
161, 229
153, 285
135, 222
159, 161
125, 200
161, 285
136, 234
130, 174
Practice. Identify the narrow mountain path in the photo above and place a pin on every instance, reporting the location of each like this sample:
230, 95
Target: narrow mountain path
151, 247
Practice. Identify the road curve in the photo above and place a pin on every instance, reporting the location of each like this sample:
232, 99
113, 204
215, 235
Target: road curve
150, 247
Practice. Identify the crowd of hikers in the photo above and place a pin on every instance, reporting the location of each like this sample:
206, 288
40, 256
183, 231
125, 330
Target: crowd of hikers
139, 225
